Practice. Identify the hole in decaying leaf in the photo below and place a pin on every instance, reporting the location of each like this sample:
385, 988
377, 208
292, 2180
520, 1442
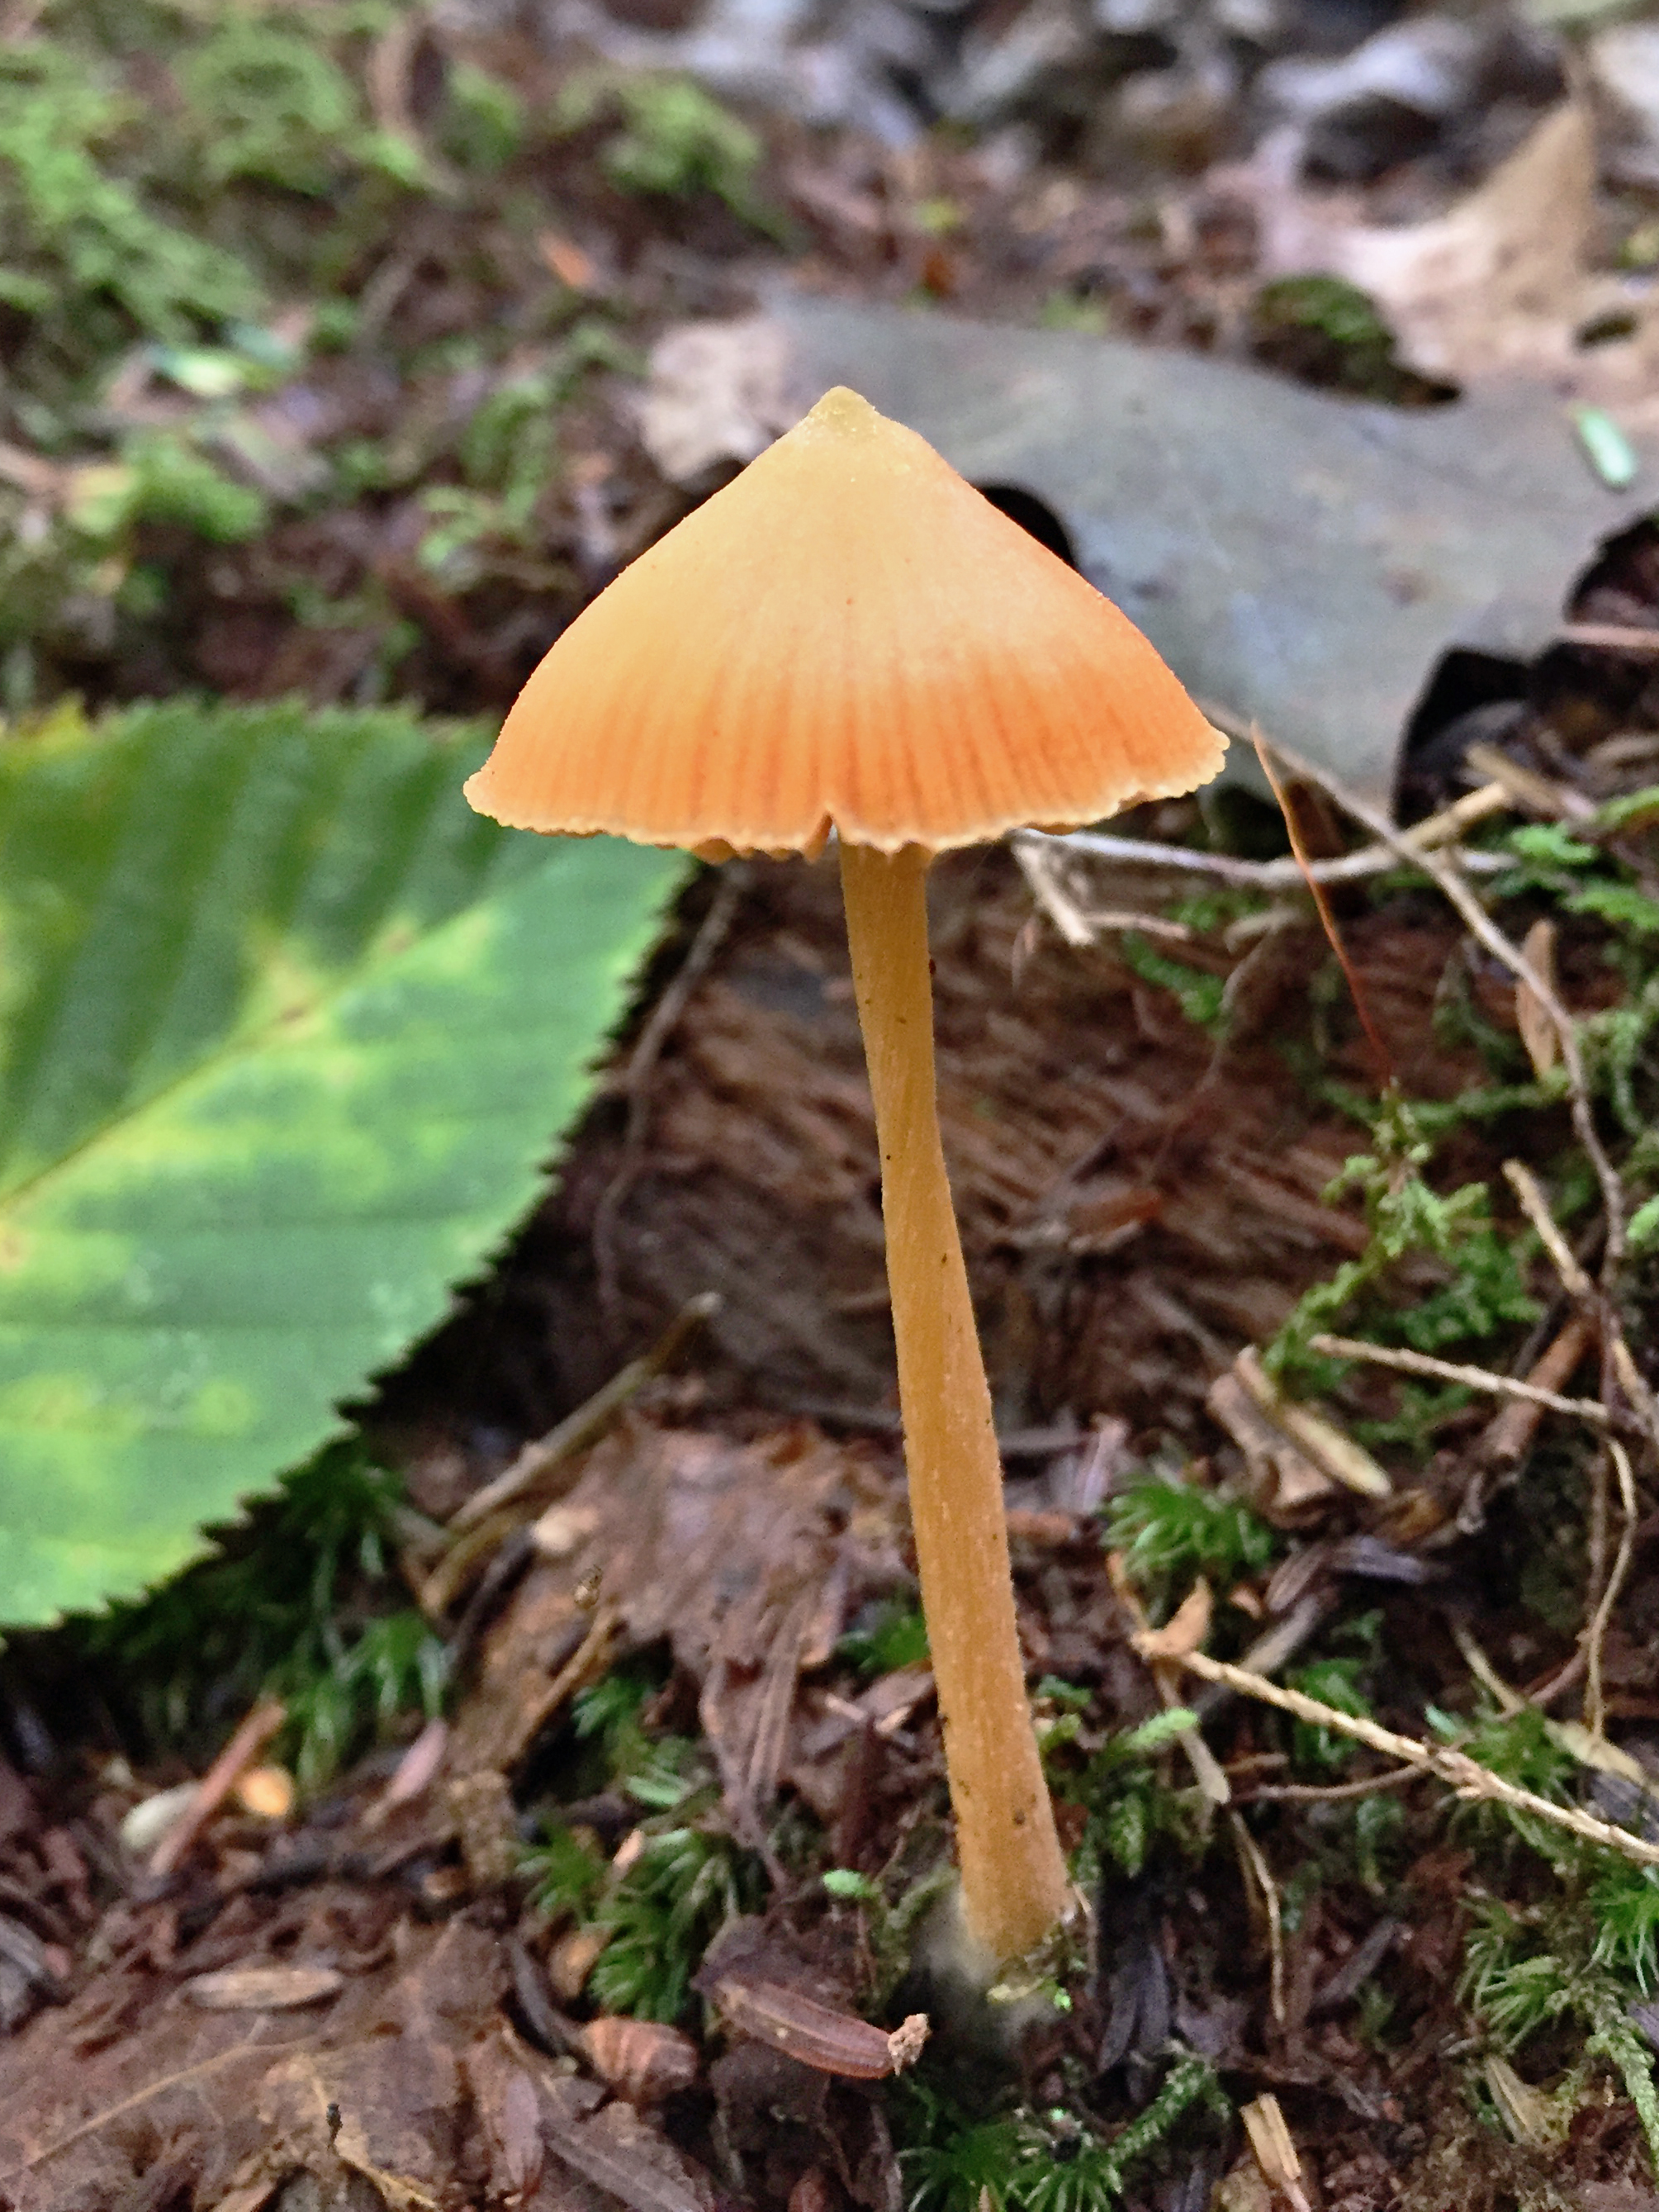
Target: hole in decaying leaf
1032, 514
1470, 696
1586, 692
1606, 330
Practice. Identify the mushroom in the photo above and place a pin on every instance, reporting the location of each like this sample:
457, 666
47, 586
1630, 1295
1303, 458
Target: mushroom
850, 637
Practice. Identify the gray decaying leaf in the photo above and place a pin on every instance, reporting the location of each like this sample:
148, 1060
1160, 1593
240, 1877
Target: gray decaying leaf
1291, 553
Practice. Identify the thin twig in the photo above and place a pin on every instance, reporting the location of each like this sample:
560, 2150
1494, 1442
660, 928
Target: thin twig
1381, 1059
528, 1473
1282, 875
1330, 1793
1609, 637
641, 1065
1508, 1700
1601, 1308
1462, 1773
1595, 1707
1482, 927
1507, 1436
257, 1726
1522, 1181
1449, 1370
1207, 1770
1250, 1853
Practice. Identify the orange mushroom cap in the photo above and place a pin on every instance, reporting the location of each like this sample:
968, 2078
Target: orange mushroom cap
848, 633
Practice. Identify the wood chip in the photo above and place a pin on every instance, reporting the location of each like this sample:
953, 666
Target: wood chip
264, 1989
1332, 1452
1538, 1032
1285, 1482
1275, 2153
641, 2059
571, 263
571, 1960
267, 1792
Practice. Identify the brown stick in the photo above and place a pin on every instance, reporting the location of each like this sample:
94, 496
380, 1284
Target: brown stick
1466, 1775
1508, 1438
1535, 1396
258, 1728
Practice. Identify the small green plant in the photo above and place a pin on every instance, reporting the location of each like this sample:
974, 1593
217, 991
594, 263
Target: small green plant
1520, 1749
1201, 997
80, 247
888, 1637
1041, 2161
564, 1873
1128, 1803
1170, 1530
661, 1911
163, 477
657, 1771
659, 1915
485, 125
1518, 1979
393, 1666
1485, 1287
302, 1607
669, 136
268, 103
1335, 1683
1327, 332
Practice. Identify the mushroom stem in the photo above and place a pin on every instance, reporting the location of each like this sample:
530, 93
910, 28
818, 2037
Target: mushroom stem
1014, 1889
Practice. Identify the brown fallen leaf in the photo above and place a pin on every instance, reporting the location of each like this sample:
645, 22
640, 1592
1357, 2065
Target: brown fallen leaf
1497, 284
1184, 1631
719, 391
264, 1989
614, 2147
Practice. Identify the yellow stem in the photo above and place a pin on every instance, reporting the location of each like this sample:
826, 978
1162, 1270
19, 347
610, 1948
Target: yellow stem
1014, 1889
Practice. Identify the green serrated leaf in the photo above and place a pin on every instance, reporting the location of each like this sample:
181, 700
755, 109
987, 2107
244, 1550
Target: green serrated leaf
285, 1034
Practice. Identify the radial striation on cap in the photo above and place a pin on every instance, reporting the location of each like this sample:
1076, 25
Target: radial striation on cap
847, 635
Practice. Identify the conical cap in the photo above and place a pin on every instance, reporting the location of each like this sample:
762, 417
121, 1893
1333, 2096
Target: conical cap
848, 633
